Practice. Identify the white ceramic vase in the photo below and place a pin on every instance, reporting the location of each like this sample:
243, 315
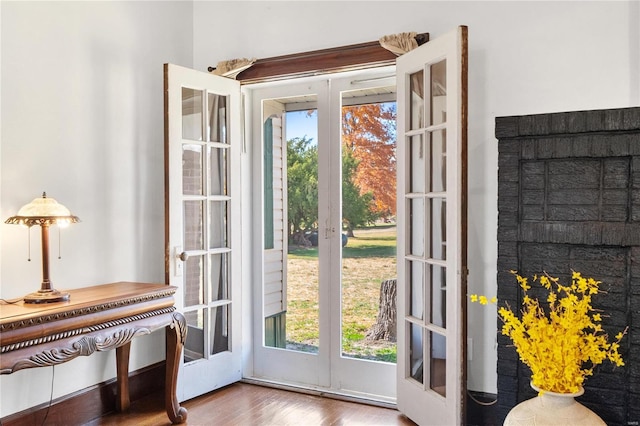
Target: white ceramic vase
552, 408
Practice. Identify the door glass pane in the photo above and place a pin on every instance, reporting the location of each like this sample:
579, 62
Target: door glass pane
217, 118
192, 169
439, 92
194, 345
220, 329
416, 353
291, 293
193, 281
438, 234
219, 276
191, 114
438, 170
416, 279
302, 271
438, 367
217, 171
417, 225
218, 224
416, 164
438, 295
416, 105
368, 240
193, 225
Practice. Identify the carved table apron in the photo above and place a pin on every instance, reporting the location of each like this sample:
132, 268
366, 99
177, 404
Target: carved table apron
96, 318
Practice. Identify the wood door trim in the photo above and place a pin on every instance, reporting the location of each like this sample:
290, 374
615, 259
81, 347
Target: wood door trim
338, 59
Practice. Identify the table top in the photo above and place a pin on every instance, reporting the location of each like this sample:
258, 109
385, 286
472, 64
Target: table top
86, 299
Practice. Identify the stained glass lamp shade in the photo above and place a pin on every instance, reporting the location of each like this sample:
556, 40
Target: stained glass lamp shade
45, 212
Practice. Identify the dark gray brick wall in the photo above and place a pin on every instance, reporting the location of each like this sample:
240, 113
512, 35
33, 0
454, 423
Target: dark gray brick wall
569, 198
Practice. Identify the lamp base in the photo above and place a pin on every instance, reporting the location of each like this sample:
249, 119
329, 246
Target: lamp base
46, 296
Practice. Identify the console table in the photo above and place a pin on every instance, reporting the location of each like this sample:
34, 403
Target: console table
96, 318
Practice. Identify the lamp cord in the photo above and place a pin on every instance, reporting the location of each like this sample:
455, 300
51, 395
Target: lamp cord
12, 301
53, 376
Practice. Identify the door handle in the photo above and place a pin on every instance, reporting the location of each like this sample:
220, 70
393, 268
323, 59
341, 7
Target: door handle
179, 258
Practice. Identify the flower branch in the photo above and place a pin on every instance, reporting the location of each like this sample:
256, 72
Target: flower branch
563, 344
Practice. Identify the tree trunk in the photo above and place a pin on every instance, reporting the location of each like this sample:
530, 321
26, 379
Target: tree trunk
385, 326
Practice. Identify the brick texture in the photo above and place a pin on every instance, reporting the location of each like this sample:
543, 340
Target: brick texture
569, 199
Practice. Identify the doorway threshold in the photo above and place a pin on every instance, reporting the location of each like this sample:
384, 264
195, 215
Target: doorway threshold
327, 393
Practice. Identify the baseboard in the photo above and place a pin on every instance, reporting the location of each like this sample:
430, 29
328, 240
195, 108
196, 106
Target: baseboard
88, 404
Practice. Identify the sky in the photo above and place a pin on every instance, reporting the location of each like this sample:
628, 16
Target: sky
300, 124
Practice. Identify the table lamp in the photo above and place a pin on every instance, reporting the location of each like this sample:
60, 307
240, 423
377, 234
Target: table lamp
45, 212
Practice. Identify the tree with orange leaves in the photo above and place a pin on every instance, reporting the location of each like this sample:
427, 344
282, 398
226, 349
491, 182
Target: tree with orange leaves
369, 134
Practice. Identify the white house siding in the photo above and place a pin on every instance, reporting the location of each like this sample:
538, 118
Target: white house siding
275, 293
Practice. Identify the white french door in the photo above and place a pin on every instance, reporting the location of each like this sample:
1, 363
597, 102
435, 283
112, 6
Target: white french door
306, 365
431, 82
203, 253
369, 378
202, 209
322, 363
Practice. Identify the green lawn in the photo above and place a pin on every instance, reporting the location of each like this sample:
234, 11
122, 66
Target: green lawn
368, 259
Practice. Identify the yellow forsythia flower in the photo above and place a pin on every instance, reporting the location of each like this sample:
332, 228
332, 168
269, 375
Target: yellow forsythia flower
564, 342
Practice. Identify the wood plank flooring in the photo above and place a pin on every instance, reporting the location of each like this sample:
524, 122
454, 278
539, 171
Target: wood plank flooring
243, 404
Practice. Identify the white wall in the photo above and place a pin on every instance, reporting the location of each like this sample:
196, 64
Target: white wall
524, 57
82, 115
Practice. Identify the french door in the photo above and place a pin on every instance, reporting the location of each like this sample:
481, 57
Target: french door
324, 361
432, 269
203, 256
275, 360
202, 212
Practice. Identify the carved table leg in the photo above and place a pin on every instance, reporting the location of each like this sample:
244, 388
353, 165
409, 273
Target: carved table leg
176, 335
122, 373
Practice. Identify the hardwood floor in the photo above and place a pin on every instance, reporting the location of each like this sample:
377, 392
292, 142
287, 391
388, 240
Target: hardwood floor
243, 404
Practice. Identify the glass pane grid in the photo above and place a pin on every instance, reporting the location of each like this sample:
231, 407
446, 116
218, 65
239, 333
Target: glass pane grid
218, 277
415, 354
220, 329
217, 170
221, 302
218, 224
426, 233
437, 296
219, 146
219, 250
192, 169
218, 198
438, 92
437, 355
427, 348
193, 281
196, 338
217, 118
191, 309
192, 112
417, 102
